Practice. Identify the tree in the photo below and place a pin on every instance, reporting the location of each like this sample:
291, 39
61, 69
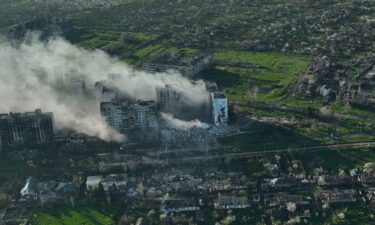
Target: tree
253, 93
215, 215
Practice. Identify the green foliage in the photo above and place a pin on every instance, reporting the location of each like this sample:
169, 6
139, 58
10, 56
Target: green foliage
335, 160
117, 41
273, 74
69, 216
144, 52
354, 110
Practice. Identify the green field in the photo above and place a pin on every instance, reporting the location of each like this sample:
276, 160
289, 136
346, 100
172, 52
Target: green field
276, 72
118, 41
354, 110
68, 216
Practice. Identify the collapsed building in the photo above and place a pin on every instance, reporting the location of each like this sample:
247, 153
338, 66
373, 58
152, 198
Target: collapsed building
188, 66
329, 79
362, 91
47, 191
321, 79
103, 93
30, 128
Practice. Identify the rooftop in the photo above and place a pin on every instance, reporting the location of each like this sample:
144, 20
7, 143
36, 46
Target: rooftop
175, 59
37, 112
219, 94
114, 177
94, 179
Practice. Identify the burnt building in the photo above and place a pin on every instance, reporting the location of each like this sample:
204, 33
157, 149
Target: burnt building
30, 128
169, 100
104, 93
362, 91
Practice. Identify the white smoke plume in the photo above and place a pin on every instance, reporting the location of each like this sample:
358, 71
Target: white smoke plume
182, 124
32, 75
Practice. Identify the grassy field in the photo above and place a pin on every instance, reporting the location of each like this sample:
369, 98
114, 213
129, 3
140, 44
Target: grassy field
144, 52
120, 41
139, 45
272, 81
68, 216
276, 72
354, 110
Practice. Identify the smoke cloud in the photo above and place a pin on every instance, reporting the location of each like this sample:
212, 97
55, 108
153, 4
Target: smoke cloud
33, 75
178, 124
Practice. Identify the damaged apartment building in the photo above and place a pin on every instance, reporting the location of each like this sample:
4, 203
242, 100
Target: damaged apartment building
125, 116
362, 91
188, 66
169, 100
218, 104
103, 93
30, 128
143, 120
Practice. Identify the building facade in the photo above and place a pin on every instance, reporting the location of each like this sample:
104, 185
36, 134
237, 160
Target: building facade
168, 100
124, 116
29, 128
104, 93
187, 66
219, 108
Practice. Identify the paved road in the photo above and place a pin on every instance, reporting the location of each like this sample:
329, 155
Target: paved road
217, 156
259, 153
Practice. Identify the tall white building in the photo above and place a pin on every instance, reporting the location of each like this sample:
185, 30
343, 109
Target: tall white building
219, 108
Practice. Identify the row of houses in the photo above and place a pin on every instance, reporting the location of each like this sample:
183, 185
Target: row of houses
47, 191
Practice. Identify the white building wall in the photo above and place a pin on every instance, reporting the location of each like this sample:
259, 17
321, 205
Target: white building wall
220, 111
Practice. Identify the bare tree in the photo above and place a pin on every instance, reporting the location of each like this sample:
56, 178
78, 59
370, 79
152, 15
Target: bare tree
253, 93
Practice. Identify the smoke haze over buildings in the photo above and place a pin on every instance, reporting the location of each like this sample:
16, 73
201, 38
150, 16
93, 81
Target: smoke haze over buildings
178, 124
33, 75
